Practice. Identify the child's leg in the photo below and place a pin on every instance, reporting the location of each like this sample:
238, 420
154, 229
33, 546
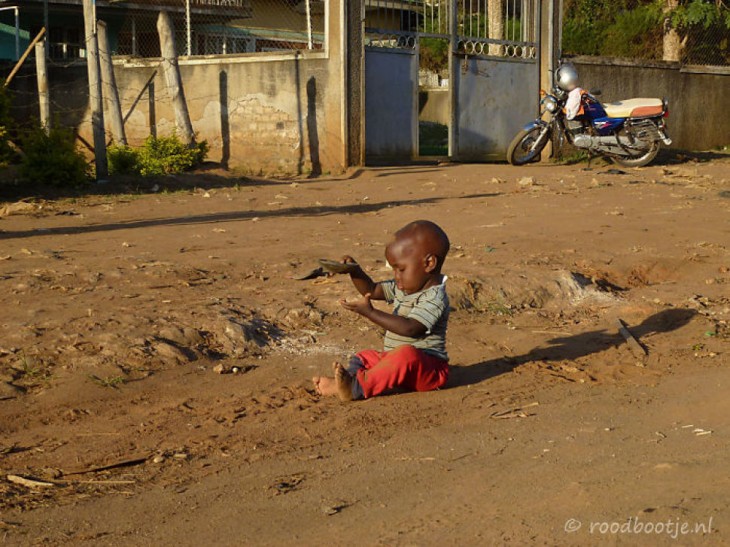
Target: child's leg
342, 384
404, 367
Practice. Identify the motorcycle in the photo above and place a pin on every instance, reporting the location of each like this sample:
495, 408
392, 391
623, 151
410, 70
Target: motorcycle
628, 132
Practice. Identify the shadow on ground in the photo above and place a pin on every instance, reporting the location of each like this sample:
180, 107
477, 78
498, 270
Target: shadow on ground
569, 348
208, 176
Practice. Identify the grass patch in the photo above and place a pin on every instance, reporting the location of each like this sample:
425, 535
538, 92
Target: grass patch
110, 381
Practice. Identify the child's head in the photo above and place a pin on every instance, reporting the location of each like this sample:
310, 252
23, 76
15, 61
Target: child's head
416, 253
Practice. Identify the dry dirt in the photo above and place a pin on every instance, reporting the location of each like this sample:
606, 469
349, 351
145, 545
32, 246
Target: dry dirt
118, 311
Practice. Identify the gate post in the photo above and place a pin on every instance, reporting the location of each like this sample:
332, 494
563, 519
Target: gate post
354, 60
453, 74
549, 48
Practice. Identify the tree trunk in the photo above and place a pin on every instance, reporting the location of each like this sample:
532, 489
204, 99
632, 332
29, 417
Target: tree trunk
495, 12
672, 44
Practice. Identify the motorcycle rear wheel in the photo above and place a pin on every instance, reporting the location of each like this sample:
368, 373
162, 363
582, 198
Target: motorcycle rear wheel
522, 149
638, 161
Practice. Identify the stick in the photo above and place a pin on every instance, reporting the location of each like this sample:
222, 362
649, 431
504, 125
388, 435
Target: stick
122, 463
513, 412
103, 482
28, 482
20, 62
637, 349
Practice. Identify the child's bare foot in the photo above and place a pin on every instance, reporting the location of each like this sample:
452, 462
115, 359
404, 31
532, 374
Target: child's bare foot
325, 385
343, 381
340, 385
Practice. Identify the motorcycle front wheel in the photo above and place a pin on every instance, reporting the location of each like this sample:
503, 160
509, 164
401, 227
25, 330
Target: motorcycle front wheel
644, 158
527, 145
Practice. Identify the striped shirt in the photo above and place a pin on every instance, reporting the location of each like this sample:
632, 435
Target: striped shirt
429, 307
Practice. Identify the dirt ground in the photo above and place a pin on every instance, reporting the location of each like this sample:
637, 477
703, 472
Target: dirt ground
119, 311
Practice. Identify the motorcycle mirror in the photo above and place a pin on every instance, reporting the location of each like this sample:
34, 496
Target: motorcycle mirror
595, 92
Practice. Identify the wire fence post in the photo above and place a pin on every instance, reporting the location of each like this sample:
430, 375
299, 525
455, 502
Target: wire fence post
95, 95
109, 83
171, 69
188, 29
309, 23
44, 103
17, 34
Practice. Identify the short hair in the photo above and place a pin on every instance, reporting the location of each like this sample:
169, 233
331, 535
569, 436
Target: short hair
430, 235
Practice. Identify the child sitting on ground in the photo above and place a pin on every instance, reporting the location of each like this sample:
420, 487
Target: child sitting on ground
414, 356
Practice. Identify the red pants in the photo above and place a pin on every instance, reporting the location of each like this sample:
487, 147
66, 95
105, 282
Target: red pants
404, 367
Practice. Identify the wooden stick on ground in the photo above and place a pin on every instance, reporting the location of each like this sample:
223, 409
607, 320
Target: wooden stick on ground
637, 349
123, 463
30, 483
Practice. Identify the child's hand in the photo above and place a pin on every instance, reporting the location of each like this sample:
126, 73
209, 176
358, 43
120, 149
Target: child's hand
347, 259
360, 305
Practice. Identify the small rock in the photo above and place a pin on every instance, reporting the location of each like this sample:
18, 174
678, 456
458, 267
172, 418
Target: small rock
219, 369
17, 208
158, 459
330, 509
180, 456
526, 181
170, 351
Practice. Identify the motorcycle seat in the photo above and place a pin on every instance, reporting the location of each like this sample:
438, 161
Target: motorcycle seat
634, 108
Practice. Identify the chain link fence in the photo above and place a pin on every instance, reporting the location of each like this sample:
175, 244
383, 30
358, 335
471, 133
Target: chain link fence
220, 27
202, 27
691, 32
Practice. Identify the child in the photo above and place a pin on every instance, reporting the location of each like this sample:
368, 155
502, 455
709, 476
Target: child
414, 356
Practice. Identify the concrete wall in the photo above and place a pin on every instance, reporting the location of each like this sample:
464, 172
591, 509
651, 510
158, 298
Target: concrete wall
261, 113
433, 106
280, 115
697, 95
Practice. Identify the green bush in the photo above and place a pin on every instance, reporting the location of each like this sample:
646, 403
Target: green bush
52, 158
123, 160
158, 156
7, 126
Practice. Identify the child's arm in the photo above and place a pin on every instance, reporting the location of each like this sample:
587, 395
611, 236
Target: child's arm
362, 281
402, 326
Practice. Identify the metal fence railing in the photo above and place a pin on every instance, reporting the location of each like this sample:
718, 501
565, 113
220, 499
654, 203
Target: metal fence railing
503, 28
202, 27
691, 32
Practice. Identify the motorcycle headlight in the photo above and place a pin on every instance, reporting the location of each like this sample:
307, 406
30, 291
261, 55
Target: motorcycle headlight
550, 104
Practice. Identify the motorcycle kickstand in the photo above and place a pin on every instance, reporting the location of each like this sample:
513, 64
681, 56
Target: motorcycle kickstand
591, 155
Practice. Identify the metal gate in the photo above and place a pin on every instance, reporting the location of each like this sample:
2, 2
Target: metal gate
485, 52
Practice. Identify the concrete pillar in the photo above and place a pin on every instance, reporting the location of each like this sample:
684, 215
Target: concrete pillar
550, 25
354, 70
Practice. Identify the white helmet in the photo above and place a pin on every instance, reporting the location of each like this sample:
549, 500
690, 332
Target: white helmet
566, 77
